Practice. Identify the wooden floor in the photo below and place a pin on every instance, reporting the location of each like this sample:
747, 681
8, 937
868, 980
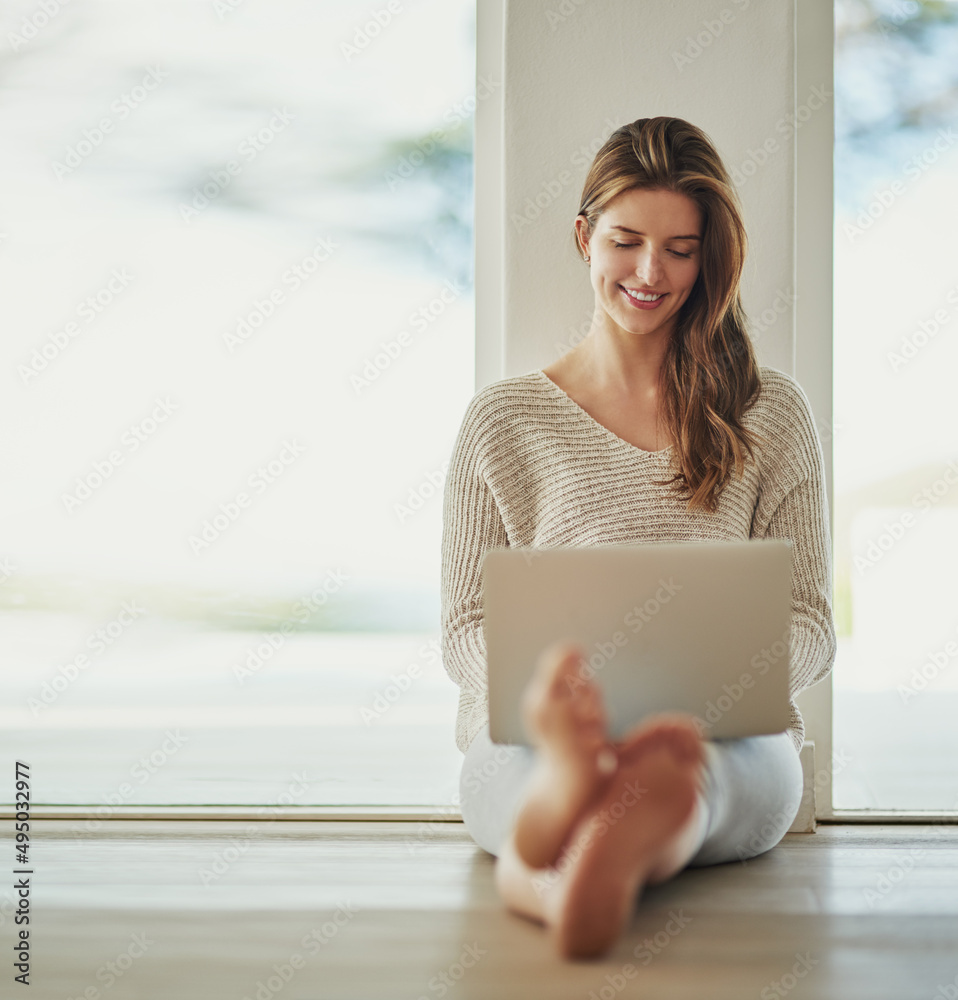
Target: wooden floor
202, 911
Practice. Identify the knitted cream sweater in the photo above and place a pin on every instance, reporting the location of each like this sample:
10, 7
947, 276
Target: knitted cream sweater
531, 468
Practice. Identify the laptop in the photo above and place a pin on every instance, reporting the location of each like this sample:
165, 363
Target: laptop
696, 627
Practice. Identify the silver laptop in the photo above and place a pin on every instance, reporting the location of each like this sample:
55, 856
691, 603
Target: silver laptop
696, 627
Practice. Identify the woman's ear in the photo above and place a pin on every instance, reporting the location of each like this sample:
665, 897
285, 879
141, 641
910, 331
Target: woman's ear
582, 233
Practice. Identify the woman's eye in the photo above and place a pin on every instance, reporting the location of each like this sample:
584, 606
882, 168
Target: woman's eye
622, 246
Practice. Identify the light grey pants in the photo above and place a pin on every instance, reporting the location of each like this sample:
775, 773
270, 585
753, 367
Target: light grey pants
752, 789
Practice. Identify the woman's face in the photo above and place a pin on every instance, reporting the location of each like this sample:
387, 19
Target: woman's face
645, 256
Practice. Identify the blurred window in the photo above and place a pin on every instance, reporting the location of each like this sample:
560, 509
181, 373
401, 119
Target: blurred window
237, 261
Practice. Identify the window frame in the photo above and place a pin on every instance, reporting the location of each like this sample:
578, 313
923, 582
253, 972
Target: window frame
812, 310
813, 361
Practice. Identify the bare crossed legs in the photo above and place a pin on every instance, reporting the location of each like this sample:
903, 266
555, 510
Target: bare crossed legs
597, 821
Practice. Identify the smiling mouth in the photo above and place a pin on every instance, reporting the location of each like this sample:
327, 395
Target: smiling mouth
642, 296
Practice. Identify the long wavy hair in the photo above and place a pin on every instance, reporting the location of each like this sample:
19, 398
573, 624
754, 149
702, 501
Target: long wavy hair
709, 376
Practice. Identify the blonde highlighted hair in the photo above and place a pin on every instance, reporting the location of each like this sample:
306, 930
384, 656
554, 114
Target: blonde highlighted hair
709, 375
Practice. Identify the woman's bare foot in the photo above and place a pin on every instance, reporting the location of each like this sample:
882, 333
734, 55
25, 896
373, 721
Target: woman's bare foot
566, 721
643, 829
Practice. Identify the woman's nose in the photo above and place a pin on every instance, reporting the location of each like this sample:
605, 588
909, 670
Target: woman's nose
649, 267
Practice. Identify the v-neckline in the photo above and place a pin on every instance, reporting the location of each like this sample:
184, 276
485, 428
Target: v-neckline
628, 444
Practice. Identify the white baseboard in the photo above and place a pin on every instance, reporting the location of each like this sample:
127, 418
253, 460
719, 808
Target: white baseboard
804, 821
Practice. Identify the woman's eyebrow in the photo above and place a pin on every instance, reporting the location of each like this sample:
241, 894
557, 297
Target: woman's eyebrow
625, 229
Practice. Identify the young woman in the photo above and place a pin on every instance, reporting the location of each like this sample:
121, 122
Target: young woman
659, 426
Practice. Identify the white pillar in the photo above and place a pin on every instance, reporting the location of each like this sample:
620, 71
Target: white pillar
572, 71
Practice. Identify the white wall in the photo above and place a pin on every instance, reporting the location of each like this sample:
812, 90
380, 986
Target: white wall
573, 71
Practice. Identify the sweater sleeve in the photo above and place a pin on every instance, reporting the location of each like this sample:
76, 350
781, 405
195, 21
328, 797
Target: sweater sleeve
471, 524
798, 510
